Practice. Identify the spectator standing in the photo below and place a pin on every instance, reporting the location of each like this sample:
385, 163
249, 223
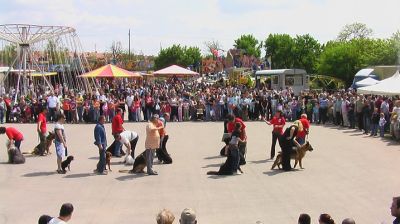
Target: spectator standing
382, 123
374, 122
3, 109
52, 104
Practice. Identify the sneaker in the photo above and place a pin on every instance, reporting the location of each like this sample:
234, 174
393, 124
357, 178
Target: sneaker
153, 173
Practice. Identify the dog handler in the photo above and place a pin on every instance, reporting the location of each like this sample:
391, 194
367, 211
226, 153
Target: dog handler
42, 130
13, 135
278, 122
101, 142
152, 143
60, 141
287, 141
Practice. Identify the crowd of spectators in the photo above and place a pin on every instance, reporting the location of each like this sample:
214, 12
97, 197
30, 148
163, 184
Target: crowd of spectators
199, 101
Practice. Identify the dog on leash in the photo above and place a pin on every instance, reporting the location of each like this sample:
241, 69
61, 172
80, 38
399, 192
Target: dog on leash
297, 155
49, 140
67, 163
108, 160
139, 164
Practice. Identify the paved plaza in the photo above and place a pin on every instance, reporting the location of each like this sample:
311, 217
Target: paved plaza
347, 175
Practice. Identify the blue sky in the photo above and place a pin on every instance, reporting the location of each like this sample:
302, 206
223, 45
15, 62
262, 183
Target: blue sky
163, 23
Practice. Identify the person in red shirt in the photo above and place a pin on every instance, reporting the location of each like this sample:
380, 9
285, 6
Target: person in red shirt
13, 135
301, 135
232, 120
117, 128
278, 122
42, 130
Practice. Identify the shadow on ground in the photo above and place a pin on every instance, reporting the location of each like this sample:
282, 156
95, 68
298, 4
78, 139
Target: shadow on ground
79, 175
131, 176
39, 174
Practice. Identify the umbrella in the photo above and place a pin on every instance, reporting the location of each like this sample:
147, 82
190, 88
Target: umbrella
111, 71
175, 70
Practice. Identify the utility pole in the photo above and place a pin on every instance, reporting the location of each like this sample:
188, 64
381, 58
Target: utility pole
129, 44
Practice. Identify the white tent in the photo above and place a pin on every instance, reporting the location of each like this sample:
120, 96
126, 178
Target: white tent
389, 86
367, 82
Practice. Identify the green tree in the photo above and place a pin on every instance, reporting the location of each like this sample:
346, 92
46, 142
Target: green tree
280, 49
306, 53
249, 44
354, 31
176, 54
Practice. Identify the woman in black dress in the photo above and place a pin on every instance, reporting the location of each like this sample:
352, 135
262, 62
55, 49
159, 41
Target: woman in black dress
287, 141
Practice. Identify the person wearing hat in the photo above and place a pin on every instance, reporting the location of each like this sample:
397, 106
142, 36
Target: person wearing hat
188, 216
278, 122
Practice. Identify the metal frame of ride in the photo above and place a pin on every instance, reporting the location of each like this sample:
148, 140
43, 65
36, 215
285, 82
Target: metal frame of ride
42, 49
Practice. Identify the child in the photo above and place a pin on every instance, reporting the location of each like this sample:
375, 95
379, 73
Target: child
382, 122
315, 116
374, 122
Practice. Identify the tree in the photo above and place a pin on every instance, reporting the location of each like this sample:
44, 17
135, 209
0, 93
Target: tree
183, 56
354, 31
212, 47
249, 44
116, 51
280, 49
306, 53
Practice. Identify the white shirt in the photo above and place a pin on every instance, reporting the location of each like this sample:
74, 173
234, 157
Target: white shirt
129, 100
56, 221
127, 136
52, 101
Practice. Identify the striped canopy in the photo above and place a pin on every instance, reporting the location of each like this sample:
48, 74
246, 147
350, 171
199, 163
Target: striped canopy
111, 71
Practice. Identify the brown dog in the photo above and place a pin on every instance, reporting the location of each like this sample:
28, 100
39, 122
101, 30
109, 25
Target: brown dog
49, 140
108, 160
297, 155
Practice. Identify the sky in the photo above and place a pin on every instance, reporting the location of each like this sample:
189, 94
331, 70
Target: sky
162, 23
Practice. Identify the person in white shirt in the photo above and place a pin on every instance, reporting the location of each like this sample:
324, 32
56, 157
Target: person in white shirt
129, 139
65, 214
129, 101
52, 104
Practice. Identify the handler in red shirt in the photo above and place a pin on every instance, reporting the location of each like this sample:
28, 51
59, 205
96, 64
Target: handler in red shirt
232, 120
278, 122
42, 130
13, 135
301, 135
117, 128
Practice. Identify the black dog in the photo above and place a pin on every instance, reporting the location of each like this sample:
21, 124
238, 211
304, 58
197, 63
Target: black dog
139, 164
66, 163
15, 156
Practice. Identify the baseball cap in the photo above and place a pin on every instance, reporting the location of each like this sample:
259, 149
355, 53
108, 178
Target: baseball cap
188, 215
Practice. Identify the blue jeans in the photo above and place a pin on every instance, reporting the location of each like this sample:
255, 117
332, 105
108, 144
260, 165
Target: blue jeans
374, 129
18, 144
367, 122
2, 116
149, 160
117, 148
208, 109
382, 131
101, 165
301, 141
80, 113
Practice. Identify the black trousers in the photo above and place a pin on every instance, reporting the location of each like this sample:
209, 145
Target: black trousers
162, 153
133, 146
275, 137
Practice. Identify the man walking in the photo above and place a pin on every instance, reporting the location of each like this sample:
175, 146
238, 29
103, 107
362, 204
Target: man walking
101, 142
